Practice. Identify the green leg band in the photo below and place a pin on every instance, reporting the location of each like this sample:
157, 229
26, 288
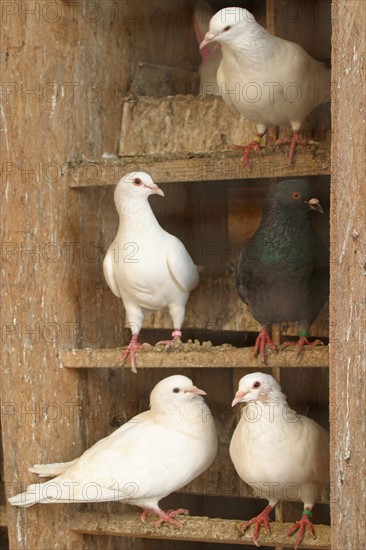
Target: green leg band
307, 513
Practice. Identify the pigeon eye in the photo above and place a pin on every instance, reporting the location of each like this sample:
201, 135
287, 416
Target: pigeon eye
176, 390
296, 195
137, 181
227, 28
256, 385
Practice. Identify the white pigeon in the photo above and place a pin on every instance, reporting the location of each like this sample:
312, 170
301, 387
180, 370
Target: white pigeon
269, 80
146, 266
154, 454
280, 454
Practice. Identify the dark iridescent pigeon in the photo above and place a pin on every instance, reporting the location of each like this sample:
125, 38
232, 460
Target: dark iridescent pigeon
283, 273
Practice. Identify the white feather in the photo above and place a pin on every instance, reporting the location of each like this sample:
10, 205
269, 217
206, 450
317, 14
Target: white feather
281, 454
155, 453
145, 265
269, 80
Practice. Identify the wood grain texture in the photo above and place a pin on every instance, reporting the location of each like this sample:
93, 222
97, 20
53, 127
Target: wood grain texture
217, 357
197, 125
348, 277
306, 22
67, 65
204, 529
3, 516
183, 124
220, 166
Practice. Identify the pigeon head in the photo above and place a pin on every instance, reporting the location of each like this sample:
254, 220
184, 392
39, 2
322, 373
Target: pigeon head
227, 25
135, 185
258, 386
293, 195
175, 390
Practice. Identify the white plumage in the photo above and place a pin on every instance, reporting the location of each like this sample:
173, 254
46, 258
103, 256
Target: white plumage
146, 266
269, 80
154, 454
282, 455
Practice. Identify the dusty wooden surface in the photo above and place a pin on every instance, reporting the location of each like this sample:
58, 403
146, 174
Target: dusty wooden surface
313, 160
196, 125
183, 124
348, 279
212, 530
195, 356
64, 104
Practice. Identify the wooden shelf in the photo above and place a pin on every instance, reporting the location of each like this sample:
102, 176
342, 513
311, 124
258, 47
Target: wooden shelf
200, 529
224, 356
211, 167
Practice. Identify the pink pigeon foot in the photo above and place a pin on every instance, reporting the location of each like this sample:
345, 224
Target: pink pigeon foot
261, 519
176, 336
303, 341
294, 142
167, 517
247, 149
301, 525
262, 340
133, 346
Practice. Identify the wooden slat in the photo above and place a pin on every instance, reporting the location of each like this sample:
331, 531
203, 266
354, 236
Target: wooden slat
223, 166
314, 32
201, 529
224, 356
3, 516
348, 277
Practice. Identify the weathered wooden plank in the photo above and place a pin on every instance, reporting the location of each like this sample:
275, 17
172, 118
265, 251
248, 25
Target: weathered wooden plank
183, 124
224, 356
224, 166
195, 528
348, 277
197, 125
306, 22
63, 102
3, 516
161, 33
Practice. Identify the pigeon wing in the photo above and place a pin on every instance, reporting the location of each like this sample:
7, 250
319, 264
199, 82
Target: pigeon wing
181, 266
108, 270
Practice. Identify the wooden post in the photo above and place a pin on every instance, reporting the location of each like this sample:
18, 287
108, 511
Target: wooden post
63, 81
348, 281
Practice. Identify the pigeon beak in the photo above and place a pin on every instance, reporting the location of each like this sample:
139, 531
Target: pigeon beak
315, 205
195, 391
209, 37
238, 397
156, 190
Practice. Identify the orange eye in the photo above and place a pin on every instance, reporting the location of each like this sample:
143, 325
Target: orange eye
137, 181
296, 195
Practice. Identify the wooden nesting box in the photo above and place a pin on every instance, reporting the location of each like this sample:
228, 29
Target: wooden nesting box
93, 90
